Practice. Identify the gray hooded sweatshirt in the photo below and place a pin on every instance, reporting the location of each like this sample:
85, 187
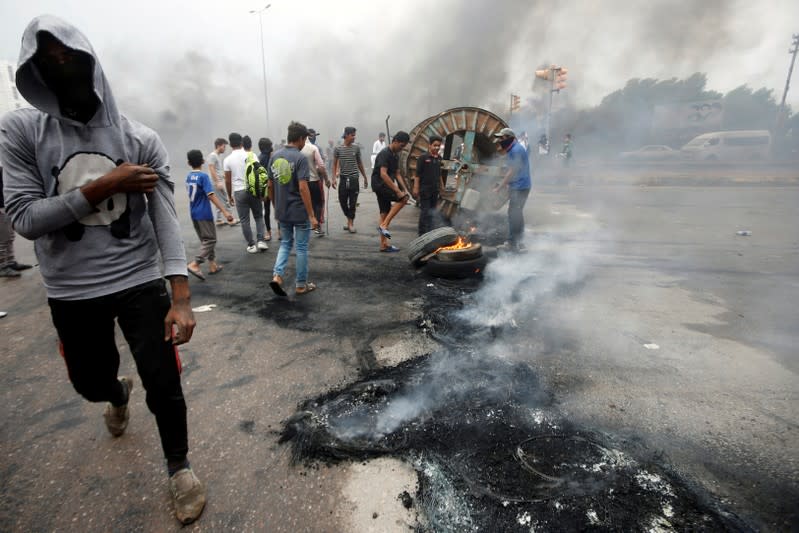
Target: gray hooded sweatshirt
84, 251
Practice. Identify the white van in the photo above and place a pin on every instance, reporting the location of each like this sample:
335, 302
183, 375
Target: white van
742, 145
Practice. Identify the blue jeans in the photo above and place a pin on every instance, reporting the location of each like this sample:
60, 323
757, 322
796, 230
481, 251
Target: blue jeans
291, 232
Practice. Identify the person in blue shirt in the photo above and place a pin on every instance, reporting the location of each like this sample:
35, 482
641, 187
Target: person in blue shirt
518, 180
201, 196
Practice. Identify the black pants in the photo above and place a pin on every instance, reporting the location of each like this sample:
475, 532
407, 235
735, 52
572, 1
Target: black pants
348, 196
317, 198
429, 218
268, 214
86, 331
516, 202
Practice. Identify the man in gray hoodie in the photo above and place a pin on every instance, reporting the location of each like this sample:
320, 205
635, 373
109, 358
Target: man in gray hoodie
92, 189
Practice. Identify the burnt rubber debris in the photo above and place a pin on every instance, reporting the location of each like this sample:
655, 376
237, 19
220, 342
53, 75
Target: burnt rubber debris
490, 449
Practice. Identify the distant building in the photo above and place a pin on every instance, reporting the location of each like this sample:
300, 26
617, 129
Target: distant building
10, 98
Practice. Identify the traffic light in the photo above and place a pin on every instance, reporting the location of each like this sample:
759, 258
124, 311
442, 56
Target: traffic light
544, 74
560, 78
515, 102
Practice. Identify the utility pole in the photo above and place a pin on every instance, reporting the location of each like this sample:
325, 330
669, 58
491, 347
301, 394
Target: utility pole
549, 109
792, 51
259, 12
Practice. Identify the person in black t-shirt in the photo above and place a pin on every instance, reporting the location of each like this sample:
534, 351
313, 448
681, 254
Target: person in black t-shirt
427, 185
389, 187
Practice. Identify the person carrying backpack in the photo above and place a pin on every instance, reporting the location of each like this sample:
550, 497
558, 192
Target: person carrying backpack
246, 202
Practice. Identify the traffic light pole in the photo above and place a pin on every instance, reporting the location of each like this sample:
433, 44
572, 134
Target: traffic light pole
552, 91
556, 76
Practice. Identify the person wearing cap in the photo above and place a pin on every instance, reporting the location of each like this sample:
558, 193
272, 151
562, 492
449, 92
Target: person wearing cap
316, 167
389, 187
347, 167
378, 145
517, 179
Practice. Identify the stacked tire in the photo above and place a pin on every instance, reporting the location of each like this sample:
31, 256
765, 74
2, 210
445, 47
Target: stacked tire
451, 264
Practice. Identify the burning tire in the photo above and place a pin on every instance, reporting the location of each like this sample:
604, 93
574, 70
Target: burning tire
429, 242
461, 254
455, 269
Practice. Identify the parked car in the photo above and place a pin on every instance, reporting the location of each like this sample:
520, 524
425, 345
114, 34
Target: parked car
651, 152
741, 145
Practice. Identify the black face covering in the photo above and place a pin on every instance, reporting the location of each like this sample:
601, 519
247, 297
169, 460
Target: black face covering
70, 75
505, 143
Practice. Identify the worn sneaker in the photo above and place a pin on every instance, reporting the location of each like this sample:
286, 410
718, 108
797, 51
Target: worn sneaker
116, 418
188, 495
252, 249
262, 246
8, 272
19, 266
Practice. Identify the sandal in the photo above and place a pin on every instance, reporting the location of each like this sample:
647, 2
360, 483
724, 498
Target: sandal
384, 232
218, 269
277, 286
196, 273
308, 288
390, 249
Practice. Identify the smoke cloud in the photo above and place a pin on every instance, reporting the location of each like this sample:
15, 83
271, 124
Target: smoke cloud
366, 61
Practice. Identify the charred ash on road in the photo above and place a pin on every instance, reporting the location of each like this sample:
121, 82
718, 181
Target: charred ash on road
490, 449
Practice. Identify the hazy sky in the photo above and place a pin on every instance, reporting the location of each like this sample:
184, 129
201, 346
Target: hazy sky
196, 65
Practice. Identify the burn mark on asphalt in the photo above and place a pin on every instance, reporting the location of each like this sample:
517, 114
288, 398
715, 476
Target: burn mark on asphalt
490, 447
492, 450
67, 423
247, 426
244, 380
72, 405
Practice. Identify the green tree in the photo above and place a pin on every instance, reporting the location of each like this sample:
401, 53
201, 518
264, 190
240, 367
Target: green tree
747, 109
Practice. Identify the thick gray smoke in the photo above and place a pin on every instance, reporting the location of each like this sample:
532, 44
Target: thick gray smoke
189, 108
511, 297
515, 284
415, 60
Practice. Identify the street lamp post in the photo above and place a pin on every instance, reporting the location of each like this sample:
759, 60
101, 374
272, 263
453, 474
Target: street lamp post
263, 59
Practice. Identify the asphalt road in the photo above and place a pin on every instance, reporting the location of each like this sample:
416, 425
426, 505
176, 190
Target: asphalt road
610, 269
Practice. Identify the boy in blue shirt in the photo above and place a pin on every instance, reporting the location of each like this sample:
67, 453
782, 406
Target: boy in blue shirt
201, 196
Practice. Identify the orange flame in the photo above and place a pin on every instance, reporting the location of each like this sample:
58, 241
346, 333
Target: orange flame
460, 244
